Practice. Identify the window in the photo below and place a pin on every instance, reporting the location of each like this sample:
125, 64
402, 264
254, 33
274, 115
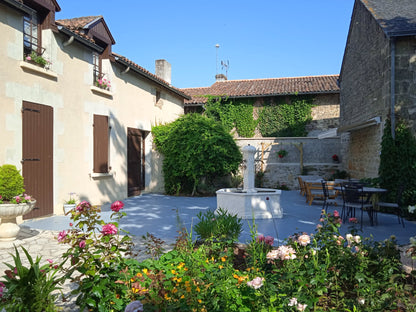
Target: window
31, 36
96, 67
101, 144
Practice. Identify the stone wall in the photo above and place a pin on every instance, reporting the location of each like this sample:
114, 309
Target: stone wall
365, 91
317, 158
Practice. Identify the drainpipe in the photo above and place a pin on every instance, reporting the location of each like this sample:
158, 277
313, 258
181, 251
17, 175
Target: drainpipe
392, 85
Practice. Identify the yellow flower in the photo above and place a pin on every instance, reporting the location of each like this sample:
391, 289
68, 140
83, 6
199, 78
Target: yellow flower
183, 296
173, 271
145, 271
181, 265
220, 266
223, 259
199, 300
198, 289
167, 297
139, 274
174, 290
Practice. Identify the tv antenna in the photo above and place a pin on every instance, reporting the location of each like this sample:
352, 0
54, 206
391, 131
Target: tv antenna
225, 65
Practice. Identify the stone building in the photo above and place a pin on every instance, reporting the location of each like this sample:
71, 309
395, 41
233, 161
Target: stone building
377, 79
75, 116
323, 89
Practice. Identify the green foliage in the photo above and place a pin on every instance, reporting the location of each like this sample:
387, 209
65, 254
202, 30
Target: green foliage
286, 120
194, 147
222, 226
232, 114
30, 289
11, 182
398, 162
96, 250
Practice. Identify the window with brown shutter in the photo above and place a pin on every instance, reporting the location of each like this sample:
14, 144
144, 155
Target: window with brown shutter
101, 144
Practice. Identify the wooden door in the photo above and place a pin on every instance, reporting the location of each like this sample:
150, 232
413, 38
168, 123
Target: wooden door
37, 160
135, 161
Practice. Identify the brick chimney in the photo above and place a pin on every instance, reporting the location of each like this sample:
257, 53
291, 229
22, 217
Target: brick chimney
220, 77
164, 70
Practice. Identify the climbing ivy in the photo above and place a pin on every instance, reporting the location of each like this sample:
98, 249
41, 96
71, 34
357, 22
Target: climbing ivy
286, 119
232, 114
398, 162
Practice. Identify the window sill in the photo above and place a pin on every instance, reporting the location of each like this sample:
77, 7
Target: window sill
95, 175
39, 70
95, 89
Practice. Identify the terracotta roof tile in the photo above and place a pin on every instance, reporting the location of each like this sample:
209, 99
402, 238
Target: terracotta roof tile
265, 87
77, 22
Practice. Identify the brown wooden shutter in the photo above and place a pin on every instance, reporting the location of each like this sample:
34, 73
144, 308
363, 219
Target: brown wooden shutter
101, 140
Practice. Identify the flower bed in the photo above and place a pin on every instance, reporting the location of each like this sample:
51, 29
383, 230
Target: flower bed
309, 272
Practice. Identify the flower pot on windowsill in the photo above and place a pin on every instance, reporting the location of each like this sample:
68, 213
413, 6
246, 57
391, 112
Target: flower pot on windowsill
8, 214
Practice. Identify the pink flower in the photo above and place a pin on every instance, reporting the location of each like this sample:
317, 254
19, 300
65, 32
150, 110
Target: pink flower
28, 58
352, 220
260, 238
301, 307
117, 205
17, 199
82, 244
28, 198
61, 236
336, 214
83, 206
109, 229
283, 253
71, 224
49, 260
269, 240
256, 283
304, 240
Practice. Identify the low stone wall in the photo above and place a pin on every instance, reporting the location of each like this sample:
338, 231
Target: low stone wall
317, 158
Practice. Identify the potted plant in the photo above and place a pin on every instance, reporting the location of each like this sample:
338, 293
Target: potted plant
70, 204
103, 84
13, 201
38, 60
335, 158
282, 153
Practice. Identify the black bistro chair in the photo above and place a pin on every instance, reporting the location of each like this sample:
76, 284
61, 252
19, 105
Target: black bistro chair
354, 198
330, 196
396, 206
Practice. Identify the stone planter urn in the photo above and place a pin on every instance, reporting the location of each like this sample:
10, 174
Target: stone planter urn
68, 208
8, 214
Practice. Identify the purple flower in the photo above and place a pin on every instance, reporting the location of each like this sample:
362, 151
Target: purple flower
117, 205
82, 244
260, 238
109, 229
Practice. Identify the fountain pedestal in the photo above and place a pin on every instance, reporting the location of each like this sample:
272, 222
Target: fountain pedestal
250, 202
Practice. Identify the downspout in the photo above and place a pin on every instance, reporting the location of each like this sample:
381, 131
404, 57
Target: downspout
392, 85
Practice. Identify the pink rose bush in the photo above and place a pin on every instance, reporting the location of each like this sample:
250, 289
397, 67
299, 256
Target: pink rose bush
117, 206
256, 283
109, 229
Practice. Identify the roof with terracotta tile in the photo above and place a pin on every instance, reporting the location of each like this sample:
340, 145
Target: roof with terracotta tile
396, 18
265, 87
77, 24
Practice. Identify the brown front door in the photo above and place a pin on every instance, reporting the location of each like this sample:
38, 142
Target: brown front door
37, 161
135, 161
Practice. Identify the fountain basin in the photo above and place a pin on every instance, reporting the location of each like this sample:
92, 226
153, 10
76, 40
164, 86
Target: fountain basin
259, 203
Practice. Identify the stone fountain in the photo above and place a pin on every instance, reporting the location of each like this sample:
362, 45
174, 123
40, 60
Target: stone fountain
250, 202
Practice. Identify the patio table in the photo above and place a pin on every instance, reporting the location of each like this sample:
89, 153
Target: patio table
371, 194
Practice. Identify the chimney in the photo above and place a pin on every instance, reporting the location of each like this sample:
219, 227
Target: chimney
163, 70
220, 77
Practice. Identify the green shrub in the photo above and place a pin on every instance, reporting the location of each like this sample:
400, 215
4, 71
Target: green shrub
30, 289
11, 182
398, 162
195, 147
222, 226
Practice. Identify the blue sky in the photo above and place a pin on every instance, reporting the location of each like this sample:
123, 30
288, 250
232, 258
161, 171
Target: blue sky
259, 39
